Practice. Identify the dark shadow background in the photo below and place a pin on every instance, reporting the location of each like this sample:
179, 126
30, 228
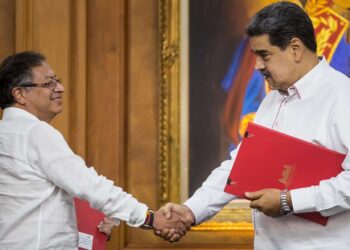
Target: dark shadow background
216, 28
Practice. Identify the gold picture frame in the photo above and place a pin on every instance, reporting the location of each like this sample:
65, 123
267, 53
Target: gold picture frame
236, 215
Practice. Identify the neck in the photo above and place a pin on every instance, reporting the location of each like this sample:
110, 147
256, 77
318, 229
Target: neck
308, 63
24, 107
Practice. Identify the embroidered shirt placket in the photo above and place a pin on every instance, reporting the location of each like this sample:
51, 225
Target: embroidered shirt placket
284, 101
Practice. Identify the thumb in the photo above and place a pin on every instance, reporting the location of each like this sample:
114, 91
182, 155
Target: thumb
180, 209
166, 210
254, 195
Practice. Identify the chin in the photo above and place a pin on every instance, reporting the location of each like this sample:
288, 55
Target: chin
58, 109
54, 114
272, 87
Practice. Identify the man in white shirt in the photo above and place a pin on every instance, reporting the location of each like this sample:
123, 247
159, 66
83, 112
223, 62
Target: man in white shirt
39, 173
309, 100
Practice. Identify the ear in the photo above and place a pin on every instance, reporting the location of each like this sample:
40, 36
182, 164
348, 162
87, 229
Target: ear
297, 47
19, 95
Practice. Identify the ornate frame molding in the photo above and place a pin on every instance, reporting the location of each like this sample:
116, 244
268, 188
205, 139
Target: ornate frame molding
169, 102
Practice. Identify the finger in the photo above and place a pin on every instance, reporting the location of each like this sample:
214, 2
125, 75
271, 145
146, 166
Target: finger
105, 230
175, 237
108, 220
165, 233
182, 227
170, 234
254, 195
107, 233
254, 205
181, 232
157, 232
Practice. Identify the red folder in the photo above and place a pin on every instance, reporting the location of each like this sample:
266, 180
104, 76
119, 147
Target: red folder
87, 220
270, 159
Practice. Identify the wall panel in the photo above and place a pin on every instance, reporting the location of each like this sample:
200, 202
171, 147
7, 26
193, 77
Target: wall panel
44, 26
105, 117
7, 29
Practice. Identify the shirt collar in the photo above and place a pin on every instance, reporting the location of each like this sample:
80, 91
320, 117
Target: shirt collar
15, 112
306, 84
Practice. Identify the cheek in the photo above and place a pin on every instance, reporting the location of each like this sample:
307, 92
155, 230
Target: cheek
280, 72
41, 97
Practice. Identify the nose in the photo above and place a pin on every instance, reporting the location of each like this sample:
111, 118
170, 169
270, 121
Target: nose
59, 87
259, 64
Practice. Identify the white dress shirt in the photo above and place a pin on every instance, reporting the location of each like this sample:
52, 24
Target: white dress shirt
316, 109
39, 175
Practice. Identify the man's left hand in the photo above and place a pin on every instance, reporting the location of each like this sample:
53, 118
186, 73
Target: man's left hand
266, 201
106, 226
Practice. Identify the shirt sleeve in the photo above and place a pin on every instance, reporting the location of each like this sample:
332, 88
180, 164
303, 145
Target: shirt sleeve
331, 196
49, 152
210, 197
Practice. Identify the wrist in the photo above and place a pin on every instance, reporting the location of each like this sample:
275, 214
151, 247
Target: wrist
289, 200
190, 214
285, 202
148, 224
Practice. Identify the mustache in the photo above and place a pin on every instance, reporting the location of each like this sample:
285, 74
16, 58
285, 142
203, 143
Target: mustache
265, 73
56, 96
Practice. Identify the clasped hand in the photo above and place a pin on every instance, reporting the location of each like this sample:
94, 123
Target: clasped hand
172, 221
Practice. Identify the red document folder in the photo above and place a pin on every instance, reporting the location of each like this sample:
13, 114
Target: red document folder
87, 220
270, 159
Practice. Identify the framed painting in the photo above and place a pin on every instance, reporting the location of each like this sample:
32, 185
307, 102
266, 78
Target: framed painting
209, 89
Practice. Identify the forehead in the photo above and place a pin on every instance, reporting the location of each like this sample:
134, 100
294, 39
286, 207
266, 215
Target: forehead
43, 71
261, 43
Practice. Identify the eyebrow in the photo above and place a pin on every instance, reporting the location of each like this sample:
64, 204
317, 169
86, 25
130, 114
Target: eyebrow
260, 52
54, 76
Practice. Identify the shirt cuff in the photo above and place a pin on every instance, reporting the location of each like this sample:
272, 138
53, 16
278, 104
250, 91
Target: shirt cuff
137, 216
303, 200
198, 208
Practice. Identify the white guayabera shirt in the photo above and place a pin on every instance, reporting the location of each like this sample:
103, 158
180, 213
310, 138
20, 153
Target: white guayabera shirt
316, 109
39, 175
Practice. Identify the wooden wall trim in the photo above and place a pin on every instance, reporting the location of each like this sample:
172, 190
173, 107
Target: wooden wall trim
7, 28
24, 22
77, 91
105, 91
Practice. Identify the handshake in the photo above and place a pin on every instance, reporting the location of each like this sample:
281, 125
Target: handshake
170, 222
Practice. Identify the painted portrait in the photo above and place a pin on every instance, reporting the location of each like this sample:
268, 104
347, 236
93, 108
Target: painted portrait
225, 90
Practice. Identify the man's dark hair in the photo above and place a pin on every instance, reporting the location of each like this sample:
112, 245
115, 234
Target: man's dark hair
14, 70
283, 21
